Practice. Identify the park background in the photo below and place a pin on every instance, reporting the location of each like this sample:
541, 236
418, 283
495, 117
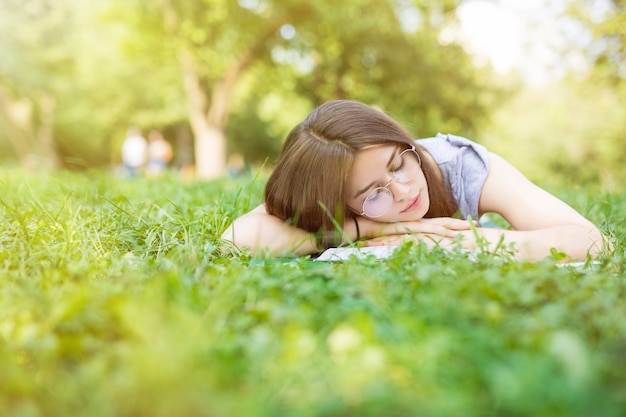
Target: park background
541, 82
119, 298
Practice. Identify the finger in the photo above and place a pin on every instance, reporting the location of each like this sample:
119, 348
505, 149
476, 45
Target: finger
426, 228
393, 240
451, 223
397, 240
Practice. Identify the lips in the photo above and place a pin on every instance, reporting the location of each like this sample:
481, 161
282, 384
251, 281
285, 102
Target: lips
413, 204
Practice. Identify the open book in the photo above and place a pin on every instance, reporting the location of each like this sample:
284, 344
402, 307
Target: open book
383, 252
342, 254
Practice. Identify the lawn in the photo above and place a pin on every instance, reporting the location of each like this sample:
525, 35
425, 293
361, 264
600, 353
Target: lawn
117, 299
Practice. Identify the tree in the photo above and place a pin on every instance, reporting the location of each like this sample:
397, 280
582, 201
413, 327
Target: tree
213, 53
388, 53
31, 33
604, 89
606, 20
357, 49
168, 63
65, 89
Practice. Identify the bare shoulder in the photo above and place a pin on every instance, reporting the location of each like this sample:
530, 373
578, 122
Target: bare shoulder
245, 220
260, 209
244, 230
260, 233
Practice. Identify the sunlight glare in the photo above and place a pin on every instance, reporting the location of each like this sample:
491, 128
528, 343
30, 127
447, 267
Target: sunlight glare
491, 32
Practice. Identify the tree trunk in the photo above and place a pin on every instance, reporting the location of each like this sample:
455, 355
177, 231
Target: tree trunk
45, 132
208, 133
32, 138
12, 118
209, 138
210, 153
208, 118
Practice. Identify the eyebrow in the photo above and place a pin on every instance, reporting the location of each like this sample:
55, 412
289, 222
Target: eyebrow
370, 185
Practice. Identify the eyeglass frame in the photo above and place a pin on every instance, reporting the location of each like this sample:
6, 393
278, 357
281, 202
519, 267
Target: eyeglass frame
393, 176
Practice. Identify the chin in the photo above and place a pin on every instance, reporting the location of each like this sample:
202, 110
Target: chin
414, 216
405, 217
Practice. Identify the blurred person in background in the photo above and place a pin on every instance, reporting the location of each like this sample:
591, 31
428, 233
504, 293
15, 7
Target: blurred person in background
159, 154
134, 151
236, 165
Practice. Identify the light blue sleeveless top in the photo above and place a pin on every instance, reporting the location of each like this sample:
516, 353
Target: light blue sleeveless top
464, 165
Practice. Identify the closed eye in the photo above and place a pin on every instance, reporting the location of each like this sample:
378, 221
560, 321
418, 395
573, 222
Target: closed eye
402, 163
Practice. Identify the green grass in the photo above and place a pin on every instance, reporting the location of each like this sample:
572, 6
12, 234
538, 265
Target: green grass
116, 299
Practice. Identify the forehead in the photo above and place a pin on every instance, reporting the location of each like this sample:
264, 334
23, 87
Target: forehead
374, 154
371, 164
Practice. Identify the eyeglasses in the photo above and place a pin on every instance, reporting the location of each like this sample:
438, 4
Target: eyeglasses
380, 199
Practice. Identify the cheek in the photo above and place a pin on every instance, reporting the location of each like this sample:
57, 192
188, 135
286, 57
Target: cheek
354, 205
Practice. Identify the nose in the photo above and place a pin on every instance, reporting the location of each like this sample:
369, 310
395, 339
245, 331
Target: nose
400, 191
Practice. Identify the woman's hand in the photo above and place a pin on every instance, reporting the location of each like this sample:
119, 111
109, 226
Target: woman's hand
441, 226
431, 240
466, 238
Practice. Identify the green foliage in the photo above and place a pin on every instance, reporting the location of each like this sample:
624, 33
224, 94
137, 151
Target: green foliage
119, 299
70, 51
606, 21
107, 66
564, 134
364, 50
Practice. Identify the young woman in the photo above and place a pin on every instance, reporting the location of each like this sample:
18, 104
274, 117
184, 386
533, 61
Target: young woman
350, 172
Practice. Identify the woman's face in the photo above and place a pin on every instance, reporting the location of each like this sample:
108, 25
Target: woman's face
380, 166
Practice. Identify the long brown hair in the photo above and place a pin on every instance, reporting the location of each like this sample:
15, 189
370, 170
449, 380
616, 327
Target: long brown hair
308, 185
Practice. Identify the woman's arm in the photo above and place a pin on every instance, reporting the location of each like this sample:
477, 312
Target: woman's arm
541, 221
261, 233
439, 226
